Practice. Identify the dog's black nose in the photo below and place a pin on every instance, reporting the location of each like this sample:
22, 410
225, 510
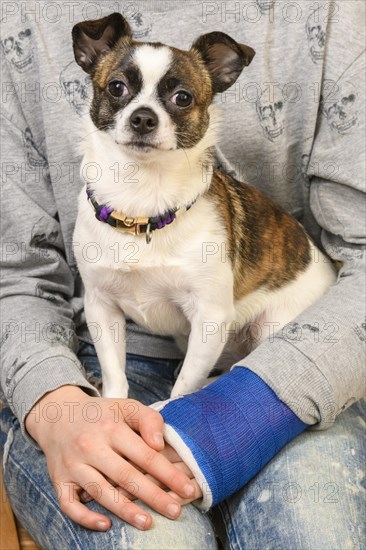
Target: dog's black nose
143, 121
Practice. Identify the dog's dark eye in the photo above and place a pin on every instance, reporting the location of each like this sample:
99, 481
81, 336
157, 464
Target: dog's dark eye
182, 99
117, 88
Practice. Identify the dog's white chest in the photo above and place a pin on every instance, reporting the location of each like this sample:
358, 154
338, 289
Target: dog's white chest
152, 284
148, 296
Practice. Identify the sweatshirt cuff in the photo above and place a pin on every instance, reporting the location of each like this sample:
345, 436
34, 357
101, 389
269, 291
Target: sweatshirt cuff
47, 375
227, 432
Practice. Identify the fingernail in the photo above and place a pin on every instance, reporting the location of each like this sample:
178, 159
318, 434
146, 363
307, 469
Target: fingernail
102, 525
173, 510
189, 490
140, 521
159, 440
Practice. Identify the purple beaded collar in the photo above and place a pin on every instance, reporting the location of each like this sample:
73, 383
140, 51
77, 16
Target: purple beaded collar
126, 224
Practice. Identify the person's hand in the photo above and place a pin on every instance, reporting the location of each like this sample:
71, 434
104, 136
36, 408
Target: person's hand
90, 445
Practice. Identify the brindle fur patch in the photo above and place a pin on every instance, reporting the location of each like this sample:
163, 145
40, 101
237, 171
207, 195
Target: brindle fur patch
267, 247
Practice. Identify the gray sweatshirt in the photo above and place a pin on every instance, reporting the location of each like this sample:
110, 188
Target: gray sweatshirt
293, 126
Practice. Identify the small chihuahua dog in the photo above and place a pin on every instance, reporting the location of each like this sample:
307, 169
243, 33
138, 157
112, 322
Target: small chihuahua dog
159, 209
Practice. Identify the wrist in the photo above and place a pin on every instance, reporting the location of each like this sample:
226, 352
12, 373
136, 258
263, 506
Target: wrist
37, 421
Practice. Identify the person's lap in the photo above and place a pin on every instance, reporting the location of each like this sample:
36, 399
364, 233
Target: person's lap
310, 496
34, 499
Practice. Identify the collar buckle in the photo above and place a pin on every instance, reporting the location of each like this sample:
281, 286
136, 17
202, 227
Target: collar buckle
127, 224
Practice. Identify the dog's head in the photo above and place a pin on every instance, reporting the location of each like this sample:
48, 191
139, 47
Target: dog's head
149, 96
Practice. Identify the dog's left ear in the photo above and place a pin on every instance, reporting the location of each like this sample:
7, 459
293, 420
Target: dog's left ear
224, 58
96, 37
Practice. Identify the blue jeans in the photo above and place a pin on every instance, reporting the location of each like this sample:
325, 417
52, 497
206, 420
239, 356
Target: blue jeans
310, 496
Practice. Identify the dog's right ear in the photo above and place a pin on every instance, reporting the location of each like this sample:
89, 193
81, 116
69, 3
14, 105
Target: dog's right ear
96, 37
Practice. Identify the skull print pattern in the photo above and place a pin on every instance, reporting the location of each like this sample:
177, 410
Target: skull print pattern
18, 50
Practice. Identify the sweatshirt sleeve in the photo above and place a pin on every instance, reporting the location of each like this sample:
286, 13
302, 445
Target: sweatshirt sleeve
316, 364
314, 368
38, 342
